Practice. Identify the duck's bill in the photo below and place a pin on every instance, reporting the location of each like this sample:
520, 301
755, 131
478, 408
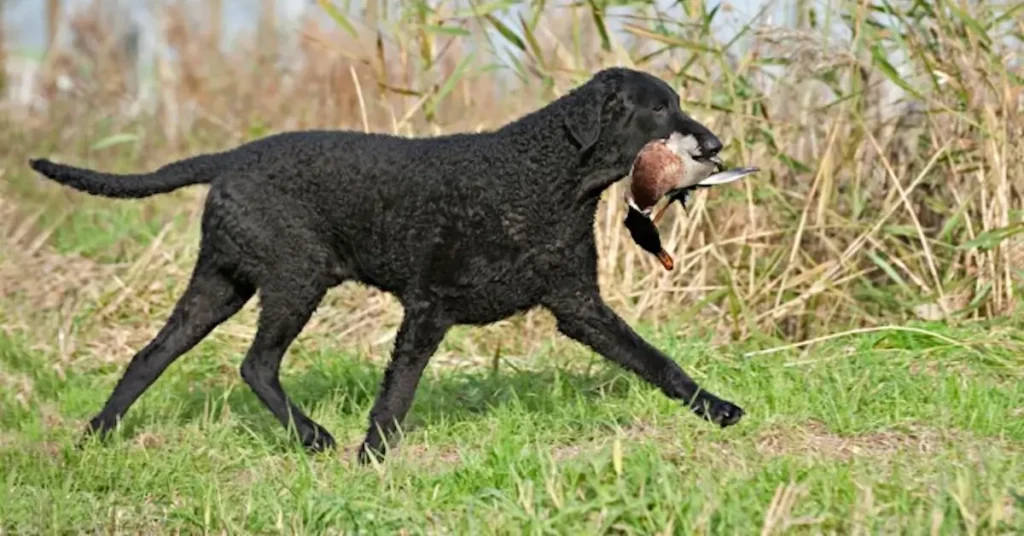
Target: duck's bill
727, 176
666, 260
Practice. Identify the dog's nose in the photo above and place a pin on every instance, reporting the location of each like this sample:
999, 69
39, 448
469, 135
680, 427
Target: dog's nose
710, 145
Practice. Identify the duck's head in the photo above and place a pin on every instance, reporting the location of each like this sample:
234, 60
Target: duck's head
645, 234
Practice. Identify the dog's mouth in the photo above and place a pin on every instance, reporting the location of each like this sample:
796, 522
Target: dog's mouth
687, 145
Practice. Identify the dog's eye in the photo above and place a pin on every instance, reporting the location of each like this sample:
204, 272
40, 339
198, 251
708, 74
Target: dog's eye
659, 107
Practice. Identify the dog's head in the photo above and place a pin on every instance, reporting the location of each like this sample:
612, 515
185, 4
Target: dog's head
620, 110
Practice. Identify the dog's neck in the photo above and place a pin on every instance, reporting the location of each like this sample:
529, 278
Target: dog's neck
545, 127
566, 175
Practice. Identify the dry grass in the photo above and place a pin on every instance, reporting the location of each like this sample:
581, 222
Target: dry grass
884, 197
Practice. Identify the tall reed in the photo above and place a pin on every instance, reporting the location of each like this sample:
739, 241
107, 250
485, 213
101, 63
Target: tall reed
889, 133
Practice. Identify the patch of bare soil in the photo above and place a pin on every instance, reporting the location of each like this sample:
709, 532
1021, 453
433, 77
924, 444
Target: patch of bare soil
814, 439
423, 455
810, 440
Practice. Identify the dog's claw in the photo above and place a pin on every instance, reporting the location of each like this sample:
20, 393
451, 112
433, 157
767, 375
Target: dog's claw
721, 412
98, 430
367, 453
320, 442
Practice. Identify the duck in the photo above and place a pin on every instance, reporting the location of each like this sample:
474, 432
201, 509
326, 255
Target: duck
661, 168
666, 168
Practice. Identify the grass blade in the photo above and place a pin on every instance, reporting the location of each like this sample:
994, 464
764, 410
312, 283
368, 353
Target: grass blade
114, 139
457, 74
597, 14
506, 32
338, 17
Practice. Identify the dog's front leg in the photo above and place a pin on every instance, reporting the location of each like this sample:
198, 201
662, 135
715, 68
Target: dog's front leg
585, 317
421, 332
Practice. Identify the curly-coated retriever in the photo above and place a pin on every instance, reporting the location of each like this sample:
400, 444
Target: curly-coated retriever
462, 229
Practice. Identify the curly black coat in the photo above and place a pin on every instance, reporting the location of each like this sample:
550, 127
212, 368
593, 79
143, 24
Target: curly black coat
462, 229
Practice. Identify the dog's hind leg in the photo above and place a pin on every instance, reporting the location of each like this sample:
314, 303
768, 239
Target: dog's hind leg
285, 311
422, 330
210, 298
585, 317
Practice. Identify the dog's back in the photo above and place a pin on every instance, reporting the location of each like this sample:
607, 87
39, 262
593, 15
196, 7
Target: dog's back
377, 208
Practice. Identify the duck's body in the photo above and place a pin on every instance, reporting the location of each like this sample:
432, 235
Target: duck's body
666, 168
655, 172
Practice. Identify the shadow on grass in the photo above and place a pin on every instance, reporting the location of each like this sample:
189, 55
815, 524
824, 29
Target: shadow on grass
348, 388
335, 389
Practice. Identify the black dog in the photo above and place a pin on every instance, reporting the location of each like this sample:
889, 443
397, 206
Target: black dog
462, 229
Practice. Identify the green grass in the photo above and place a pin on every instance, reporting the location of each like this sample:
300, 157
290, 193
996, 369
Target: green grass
888, 432
911, 430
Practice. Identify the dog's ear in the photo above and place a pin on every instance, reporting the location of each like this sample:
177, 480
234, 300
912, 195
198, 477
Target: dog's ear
583, 119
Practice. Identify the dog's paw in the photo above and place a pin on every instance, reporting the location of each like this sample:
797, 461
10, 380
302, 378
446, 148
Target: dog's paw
318, 440
97, 431
721, 412
366, 454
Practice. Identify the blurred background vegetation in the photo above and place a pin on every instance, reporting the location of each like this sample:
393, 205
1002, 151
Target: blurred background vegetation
889, 134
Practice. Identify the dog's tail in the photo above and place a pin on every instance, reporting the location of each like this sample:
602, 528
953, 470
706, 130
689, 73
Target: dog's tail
200, 169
